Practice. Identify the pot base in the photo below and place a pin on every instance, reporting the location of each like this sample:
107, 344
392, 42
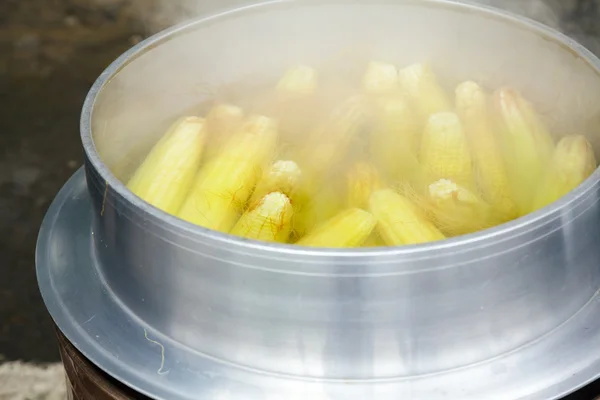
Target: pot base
113, 338
85, 381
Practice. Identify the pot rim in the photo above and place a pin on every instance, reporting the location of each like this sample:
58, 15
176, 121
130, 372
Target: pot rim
460, 243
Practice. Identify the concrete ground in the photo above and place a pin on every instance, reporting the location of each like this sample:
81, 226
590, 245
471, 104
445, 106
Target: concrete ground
50, 53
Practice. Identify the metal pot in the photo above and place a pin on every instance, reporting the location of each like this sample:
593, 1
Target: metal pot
180, 312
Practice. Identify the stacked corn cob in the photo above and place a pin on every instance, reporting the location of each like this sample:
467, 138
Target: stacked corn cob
418, 166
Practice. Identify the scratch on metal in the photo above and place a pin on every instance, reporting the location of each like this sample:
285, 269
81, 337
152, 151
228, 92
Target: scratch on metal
162, 354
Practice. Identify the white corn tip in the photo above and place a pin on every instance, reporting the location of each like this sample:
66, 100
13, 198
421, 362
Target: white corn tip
380, 78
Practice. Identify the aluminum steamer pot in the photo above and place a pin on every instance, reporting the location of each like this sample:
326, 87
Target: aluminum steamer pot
179, 312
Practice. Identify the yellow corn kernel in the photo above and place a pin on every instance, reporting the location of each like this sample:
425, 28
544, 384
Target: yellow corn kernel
458, 211
573, 162
283, 176
363, 179
223, 120
314, 207
350, 228
223, 186
527, 144
298, 81
380, 79
329, 143
488, 162
395, 138
419, 82
445, 151
399, 221
269, 220
166, 175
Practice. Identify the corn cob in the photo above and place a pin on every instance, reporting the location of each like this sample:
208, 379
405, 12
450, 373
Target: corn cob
324, 151
490, 169
295, 104
399, 221
380, 79
269, 220
223, 120
328, 144
223, 186
374, 240
166, 175
445, 150
282, 176
363, 179
350, 228
298, 81
419, 82
573, 162
395, 138
312, 208
458, 211
527, 144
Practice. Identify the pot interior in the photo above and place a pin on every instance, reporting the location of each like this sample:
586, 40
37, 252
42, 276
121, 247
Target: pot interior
182, 69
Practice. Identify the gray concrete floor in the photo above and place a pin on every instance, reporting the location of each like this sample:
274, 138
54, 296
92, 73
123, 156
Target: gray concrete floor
50, 53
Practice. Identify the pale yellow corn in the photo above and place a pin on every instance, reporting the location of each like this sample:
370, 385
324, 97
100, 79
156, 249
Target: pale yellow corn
312, 208
223, 186
283, 176
223, 120
399, 221
491, 174
298, 81
374, 240
329, 143
458, 211
445, 150
527, 144
395, 138
269, 220
420, 83
166, 175
380, 79
362, 180
350, 228
573, 162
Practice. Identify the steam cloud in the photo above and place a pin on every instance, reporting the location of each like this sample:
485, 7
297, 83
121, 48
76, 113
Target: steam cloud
576, 18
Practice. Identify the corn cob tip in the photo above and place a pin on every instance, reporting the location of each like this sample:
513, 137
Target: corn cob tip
576, 153
257, 124
269, 219
380, 78
445, 189
224, 110
469, 94
458, 211
300, 80
283, 176
444, 120
287, 169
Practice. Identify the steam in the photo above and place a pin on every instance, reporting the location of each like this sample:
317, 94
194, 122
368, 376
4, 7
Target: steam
575, 18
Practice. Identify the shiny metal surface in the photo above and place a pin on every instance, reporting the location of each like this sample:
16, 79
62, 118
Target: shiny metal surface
179, 312
99, 324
